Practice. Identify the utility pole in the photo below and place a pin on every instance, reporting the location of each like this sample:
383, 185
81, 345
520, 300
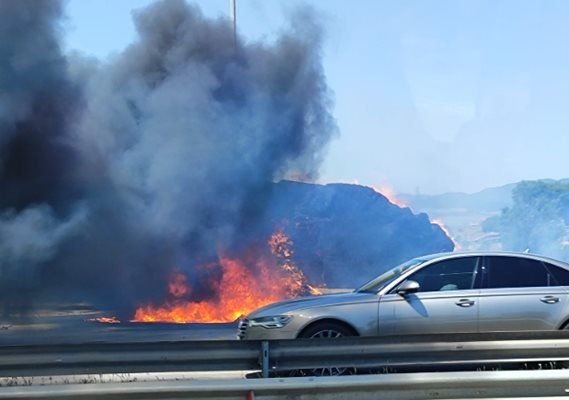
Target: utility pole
233, 12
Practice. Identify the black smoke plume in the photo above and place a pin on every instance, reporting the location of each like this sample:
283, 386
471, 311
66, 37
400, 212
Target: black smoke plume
113, 174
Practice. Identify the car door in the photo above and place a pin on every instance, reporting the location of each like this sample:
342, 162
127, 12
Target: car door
447, 300
520, 294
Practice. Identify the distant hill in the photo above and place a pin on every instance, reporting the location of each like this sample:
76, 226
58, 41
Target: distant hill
487, 200
464, 213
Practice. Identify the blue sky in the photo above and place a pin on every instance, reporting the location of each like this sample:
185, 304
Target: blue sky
430, 96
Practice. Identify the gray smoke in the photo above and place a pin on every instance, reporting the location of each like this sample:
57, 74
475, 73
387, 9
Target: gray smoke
114, 174
36, 103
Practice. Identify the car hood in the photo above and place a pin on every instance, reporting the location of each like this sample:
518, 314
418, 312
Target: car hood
302, 303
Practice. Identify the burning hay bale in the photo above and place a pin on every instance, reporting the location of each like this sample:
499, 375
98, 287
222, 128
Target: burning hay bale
345, 227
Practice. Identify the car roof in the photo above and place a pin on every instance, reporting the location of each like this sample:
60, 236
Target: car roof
458, 254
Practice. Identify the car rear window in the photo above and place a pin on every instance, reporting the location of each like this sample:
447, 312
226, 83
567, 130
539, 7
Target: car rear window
512, 272
560, 275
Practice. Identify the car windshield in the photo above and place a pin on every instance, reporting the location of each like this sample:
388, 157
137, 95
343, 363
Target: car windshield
387, 277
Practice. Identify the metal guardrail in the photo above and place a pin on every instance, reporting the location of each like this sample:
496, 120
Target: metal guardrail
100, 358
552, 384
436, 351
274, 356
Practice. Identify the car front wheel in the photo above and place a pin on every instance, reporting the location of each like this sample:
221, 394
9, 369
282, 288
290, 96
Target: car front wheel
326, 330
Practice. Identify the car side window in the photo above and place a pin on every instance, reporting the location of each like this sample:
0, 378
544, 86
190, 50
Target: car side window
560, 275
453, 274
513, 272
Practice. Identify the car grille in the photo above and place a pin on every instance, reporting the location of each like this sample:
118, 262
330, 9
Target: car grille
243, 324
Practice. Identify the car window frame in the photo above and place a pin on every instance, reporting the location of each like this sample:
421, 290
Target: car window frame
476, 275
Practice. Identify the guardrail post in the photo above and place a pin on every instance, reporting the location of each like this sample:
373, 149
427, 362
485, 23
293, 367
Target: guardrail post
265, 358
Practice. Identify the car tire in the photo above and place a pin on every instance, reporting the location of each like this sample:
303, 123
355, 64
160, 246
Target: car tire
326, 330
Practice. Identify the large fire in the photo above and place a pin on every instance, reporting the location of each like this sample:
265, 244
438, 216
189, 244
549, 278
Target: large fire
245, 283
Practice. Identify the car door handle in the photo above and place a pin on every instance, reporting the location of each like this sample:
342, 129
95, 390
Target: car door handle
550, 299
465, 303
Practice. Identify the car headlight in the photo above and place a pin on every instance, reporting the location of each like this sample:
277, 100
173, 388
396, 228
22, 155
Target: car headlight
275, 321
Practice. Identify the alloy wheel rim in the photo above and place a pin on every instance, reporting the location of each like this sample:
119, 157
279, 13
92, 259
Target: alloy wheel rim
330, 371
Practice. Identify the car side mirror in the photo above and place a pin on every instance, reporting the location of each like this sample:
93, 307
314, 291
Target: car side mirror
407, 287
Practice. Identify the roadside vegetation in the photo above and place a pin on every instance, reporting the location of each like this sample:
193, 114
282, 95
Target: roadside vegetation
537, 221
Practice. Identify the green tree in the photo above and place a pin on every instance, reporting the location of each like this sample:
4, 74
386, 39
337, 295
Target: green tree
537, 220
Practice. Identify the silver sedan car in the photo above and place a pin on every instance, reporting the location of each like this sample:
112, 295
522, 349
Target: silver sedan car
440, 293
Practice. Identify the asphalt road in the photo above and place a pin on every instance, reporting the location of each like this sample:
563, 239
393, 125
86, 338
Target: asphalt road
75, 326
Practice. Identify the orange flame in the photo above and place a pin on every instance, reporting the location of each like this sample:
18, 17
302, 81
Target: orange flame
389, 193
178, 286
440, 223
245, 284
106, 320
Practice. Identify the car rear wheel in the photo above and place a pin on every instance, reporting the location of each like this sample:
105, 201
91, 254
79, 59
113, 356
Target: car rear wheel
326, 330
